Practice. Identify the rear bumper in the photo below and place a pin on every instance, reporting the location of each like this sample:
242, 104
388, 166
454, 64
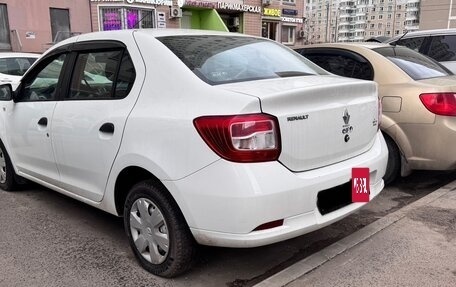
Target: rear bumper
225, 201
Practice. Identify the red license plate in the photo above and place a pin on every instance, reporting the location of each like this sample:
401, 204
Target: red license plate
360, 184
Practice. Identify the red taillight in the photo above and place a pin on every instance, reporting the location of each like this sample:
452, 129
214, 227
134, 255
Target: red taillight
443, 104
241, 138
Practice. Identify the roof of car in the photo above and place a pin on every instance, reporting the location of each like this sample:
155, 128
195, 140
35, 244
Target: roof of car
424, 33
368, 45
18, 55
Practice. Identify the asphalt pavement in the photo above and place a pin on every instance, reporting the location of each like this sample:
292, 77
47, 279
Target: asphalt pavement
413, 246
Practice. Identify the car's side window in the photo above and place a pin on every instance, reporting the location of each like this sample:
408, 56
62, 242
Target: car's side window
342, 65
15, 66
101, 75
443, 48
412, 43
43, 85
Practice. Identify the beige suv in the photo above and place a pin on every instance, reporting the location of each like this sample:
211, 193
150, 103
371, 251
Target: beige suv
418, 98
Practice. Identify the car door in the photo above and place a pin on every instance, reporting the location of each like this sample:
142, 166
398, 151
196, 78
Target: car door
88, 123
30, 119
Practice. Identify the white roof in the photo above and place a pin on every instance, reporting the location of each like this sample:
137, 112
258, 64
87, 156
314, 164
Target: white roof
18, 55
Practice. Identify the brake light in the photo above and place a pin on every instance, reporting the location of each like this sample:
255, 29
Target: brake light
443, 104
241, 138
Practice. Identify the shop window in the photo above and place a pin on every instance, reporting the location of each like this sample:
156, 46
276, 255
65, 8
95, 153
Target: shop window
288, 34
119, 18
269, 30
60, 24
5, 43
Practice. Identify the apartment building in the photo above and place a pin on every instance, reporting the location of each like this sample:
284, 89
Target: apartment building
437, 14
358, 20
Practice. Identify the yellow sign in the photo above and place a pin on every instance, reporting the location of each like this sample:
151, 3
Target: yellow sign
272, 12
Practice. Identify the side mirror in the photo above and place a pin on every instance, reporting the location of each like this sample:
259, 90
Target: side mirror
6, 92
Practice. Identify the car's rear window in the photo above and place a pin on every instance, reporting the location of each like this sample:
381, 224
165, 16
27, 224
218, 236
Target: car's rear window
416, 65
15, 66
227, 59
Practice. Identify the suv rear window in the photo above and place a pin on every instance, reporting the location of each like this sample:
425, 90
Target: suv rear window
416, 65
227, 59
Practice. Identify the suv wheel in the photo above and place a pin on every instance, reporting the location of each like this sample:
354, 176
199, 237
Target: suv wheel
157, 231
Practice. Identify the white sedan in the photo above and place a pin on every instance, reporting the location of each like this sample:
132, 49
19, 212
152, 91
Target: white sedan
194, 136
13, 66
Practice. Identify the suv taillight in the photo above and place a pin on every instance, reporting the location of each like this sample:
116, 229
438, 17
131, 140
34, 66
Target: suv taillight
443, 104
241, 138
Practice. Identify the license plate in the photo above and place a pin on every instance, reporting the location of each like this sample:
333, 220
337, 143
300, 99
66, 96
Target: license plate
360, 184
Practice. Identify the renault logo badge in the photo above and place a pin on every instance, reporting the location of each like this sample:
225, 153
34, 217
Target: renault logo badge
346, 117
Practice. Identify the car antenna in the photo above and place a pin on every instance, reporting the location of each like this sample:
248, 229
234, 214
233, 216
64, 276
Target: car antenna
136, 26
400, 38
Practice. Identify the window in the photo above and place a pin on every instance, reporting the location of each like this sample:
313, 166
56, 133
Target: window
118, 18
60, 24
5, 43
412, 43
96, 76
15, 66
288, 34
288, 1
43, 85
416, 65
443, 48
343, 64
227, 59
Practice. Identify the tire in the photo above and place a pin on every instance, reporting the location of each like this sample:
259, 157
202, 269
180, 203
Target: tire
7, 173
160, 256
393, 168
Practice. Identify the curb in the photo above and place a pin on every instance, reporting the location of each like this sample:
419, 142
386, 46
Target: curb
315, 260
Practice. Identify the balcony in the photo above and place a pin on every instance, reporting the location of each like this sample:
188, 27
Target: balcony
411, 18
412, 27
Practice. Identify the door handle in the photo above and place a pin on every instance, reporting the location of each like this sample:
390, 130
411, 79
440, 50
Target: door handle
43, 121
107, 128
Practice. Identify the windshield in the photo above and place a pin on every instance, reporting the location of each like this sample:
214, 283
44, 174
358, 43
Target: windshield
15, 66
416, 65
227, 59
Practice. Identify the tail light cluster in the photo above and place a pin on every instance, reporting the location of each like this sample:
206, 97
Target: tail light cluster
241, 138
443, 104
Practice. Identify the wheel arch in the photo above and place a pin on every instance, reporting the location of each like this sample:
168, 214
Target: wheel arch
127, 178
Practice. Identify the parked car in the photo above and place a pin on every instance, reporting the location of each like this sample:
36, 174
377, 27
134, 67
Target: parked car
193, 136
14, 65
438, 44
418, 99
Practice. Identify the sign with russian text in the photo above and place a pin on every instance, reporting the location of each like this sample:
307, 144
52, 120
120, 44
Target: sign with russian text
292, 20
239, 7
272, 12
360, 184
291, 12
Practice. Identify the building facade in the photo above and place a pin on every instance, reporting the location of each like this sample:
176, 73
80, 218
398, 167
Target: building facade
34, 26
437, 14
359, 20
280, 20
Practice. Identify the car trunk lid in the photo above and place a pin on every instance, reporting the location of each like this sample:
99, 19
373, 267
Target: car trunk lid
322, 119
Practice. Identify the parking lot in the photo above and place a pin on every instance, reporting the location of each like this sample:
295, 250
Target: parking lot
51, 240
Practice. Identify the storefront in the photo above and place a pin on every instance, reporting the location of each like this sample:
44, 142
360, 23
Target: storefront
134, 14
34, 26
282, 25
